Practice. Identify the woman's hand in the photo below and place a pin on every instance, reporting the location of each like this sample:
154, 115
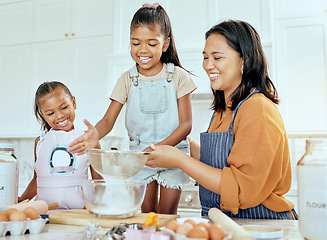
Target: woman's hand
165, 156
90, 139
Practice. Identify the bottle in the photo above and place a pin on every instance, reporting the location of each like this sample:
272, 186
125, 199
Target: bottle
8, 175
312, 190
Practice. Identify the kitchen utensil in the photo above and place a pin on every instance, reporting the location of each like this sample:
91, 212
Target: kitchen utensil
81, 217
113, 198
228, 224
116, 164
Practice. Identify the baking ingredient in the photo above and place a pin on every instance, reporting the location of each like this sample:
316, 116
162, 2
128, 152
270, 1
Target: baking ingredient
31, 213
17, 216
198, 232
173, 225
3, 217
190, 221
10, 211
184, 228
204, 224
151, 220
216, 232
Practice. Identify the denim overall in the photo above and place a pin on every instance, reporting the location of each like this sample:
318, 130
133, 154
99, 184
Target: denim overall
215, 149
151, 116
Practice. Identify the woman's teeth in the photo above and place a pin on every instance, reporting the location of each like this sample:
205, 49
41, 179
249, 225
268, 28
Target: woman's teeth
145, 59
215, 75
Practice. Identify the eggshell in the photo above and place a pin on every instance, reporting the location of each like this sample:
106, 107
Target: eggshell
184, 228
3, 217
198, 232
190, 221
216, 232
10, 211
31, 213
204, 224
173, 225
17, 216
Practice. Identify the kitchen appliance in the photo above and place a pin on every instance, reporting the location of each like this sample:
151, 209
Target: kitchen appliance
312, 190
117, 196
8, 175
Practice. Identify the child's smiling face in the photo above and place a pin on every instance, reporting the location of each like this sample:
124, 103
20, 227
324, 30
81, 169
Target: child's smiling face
147, 46
58, 109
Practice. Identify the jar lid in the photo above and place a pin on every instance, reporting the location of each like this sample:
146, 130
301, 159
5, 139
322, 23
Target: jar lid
6, 146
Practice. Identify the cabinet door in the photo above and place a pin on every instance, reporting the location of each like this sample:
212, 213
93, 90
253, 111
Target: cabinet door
301, 53
296, 8
14, 79
16, 23
52, 20
92, 18
88, 77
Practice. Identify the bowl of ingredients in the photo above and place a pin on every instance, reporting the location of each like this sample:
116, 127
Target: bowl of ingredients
113, 198
116, 164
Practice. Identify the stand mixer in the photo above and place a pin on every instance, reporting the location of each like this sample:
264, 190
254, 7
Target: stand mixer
118, 195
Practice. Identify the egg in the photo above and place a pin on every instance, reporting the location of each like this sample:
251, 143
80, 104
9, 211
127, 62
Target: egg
198, 232
10, 211
17, 216
204, 224
3, 217
190, 221
216, 232
31, 213
184, 228
173, 225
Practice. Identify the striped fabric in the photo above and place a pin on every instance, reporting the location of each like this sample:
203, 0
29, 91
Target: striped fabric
215, 149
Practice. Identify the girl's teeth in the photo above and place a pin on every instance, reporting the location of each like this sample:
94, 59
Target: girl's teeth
63, 123
145, 59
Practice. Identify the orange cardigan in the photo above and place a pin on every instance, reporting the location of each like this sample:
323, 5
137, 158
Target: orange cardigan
259, 169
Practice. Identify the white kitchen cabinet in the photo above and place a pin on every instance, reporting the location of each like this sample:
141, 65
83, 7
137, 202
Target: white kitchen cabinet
62, 19
301, 53
16, 23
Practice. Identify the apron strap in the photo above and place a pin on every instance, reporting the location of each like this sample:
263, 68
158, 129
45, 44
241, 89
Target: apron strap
134, 75
170, 71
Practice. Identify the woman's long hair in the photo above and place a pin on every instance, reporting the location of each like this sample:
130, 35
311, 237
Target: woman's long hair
245, 40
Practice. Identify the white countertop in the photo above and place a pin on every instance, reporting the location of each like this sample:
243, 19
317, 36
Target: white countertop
63, 232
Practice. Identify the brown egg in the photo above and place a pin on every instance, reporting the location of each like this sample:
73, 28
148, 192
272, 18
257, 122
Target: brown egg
173, 225
190, 221
3, 217
216, 232
198, 232
17, 216
184, 228
10, 211
204, 224
31, 213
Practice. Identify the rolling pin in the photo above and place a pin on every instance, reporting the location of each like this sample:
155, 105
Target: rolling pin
40, 206
228, 224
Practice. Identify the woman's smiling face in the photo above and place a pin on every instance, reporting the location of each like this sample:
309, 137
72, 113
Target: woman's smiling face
223, 64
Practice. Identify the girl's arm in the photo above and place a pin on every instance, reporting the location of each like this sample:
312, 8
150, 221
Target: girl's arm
170, 157
90, 139
185, 123
31, 189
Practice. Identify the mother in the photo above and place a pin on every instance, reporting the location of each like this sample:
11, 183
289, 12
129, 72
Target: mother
244, 166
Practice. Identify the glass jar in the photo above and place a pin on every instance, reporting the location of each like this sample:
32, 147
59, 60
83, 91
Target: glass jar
312, 190
8, 175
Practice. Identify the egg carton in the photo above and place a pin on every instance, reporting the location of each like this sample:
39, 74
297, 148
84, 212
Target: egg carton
16, 228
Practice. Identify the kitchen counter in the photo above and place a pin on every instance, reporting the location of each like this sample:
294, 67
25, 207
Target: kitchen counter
63, 232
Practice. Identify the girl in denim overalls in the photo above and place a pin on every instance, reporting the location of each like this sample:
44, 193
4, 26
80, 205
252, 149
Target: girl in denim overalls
158, 106
244, 168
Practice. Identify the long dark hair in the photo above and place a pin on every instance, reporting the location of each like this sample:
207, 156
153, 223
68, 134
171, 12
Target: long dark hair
157, 15
245, 40
44, 89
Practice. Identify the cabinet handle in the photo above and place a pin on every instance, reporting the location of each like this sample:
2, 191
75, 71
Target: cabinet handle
66, 34
73, 34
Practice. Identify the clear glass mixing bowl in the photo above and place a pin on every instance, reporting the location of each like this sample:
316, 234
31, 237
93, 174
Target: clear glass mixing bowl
116, 164
113, 199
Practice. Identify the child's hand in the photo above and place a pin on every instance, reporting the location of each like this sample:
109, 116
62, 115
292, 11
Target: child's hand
90, 139
164, 156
